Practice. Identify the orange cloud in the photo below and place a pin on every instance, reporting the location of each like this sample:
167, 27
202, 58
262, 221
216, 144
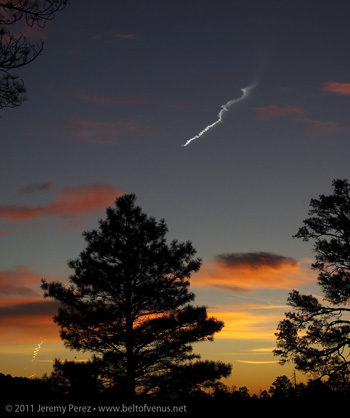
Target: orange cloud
259, 323
69, 202
269, 112
242, 272
336, 87
24, 314
18, 283
28, 321
20, 286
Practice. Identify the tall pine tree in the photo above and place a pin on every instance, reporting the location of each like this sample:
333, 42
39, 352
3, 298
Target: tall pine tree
129, 303
315, 335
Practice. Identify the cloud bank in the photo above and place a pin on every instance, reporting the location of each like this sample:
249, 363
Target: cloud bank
69, 202
243, 272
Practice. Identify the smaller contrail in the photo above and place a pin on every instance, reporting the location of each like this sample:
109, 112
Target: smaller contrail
37, 349
224, 108
35, 353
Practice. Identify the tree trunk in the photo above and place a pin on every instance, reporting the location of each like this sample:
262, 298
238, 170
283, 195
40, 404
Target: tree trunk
129, 342
130, 363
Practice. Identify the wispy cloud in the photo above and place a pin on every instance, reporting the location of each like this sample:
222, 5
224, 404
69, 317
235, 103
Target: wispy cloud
110, 34
33, 32
249, 321
89, 97
103, 132
246, 324
262, 350
257, 361
37, 187
336, 87
68, 203
18, 283
38, 308
274, 111
244, 272
320, 127
132, 36
24, 314
315, 127
5, 233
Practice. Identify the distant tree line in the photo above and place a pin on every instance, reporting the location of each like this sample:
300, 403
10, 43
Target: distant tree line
81, 387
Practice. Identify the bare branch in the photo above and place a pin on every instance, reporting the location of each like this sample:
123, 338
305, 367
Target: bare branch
17, 51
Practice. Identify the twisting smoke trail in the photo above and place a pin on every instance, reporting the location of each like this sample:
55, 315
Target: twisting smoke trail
224, 108
35, 353
37, 349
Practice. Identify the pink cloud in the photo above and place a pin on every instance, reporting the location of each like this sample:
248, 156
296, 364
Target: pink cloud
274, 111
69, 202
24, 31
315, 127
320, 127
5, 233
336, 87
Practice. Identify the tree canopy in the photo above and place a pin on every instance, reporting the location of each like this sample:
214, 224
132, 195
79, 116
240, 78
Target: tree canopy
316, 335
16, 50
129, 303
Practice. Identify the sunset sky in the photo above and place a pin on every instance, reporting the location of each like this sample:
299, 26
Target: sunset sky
120, 87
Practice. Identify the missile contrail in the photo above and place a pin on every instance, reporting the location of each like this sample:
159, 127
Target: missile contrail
224, 108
